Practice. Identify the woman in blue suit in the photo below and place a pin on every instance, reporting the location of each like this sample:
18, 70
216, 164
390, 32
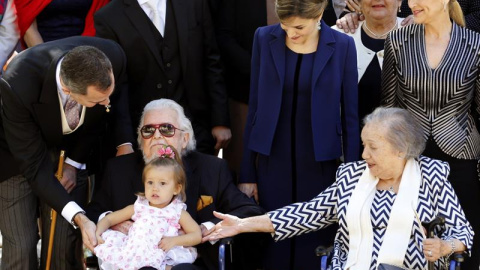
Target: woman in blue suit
303, 116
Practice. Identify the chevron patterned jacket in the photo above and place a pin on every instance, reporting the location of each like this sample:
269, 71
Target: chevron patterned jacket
444, 100
436, 197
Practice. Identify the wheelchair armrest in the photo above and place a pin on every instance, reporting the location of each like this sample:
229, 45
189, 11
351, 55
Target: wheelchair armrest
221, 251
323, 251
458, 257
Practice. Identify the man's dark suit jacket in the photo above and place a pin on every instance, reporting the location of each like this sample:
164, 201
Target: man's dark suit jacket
206, 175
125, 22
30, 126
236, 23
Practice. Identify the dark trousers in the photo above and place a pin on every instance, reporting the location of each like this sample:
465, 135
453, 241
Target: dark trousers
18, 223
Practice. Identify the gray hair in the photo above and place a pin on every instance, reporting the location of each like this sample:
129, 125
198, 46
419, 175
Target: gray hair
402, 130
183, 121
306, 9
85, 66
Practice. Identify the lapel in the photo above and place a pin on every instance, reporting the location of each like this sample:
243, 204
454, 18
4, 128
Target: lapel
277, 50
47, 110
193, 184
141, 22
325, 49
180, 11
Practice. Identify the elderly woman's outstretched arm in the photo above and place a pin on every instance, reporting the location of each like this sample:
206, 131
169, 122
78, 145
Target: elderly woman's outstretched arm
232, 225
285, 222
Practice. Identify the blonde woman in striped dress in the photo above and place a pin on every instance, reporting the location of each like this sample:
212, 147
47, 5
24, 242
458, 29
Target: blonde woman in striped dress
431, 68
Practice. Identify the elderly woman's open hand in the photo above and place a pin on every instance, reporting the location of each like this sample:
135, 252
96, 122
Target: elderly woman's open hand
229, 226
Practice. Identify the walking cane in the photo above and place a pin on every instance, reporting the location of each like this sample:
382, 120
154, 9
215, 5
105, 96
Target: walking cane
53, 213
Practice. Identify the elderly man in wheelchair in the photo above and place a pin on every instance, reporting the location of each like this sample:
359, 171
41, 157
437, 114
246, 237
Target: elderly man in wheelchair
379, 204
209, 183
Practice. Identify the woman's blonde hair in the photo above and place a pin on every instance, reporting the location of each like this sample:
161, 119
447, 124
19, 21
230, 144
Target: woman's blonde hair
306, 9
178, 172
456, 13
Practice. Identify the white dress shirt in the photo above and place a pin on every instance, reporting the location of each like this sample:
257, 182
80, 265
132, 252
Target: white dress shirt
161, 8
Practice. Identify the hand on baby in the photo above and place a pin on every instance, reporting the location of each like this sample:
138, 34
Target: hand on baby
167, 243
99, 238
123, 227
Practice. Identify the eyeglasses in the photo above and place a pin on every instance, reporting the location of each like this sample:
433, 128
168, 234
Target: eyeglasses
166, 129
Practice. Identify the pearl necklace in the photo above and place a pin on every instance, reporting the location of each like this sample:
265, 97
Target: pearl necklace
382, 35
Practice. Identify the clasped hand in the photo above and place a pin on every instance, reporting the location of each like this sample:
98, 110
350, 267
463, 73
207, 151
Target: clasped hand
229, 226
432, 248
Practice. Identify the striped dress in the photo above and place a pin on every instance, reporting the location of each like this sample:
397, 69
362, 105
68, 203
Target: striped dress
444, 100
436, 197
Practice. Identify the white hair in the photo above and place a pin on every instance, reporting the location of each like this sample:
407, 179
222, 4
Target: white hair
403, 131
183, 121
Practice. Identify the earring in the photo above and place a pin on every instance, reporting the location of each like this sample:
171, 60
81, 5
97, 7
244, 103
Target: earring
399, 8
107, 108
319, 26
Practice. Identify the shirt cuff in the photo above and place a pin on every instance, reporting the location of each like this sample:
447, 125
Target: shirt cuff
103, 215
127, 143
208, 225
75, 164
70, 210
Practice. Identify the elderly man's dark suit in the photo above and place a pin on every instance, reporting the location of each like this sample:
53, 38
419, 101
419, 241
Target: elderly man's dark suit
206, 175
31, 127
183, 65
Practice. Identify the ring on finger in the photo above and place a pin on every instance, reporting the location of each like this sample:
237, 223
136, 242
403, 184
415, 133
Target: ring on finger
430, 253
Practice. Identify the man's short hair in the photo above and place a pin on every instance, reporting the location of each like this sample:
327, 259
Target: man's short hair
85, 66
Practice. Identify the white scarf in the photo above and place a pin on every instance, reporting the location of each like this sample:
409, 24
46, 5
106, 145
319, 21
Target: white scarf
397, 235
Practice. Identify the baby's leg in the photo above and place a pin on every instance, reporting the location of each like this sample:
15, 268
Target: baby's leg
168, 267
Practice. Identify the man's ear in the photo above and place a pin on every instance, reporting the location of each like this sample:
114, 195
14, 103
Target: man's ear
186, 139
65, 90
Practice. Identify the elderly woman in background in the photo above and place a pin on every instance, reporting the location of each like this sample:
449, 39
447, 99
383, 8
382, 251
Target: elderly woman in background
380, 20
302, 113
379, 203
431, 68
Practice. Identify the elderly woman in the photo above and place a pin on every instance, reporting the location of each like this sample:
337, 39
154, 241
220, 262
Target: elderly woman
431, 68
380, 20
379, 203
302, 117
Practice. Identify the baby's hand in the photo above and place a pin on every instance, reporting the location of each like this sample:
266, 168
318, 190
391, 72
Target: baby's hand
167, 243
123, 227
99, 238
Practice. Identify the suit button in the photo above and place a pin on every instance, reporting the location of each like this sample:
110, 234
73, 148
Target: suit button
159, 85
168, 64
169, 81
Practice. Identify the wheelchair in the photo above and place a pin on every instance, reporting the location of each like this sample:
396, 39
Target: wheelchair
435, 227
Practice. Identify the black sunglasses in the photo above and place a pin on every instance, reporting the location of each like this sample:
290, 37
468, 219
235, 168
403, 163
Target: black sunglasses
166, 129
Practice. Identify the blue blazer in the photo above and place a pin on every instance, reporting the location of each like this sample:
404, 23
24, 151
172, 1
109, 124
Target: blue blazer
334, 97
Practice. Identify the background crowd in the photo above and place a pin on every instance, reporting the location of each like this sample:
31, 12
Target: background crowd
285, 87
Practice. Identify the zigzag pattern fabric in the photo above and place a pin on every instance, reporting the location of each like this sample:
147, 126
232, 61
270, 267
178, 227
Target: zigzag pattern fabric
444, 100
436, 197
